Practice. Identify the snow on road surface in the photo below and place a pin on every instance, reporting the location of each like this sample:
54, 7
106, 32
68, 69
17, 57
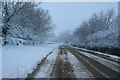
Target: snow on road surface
18, 61
111, 56
48, 66
79, 70
103, 61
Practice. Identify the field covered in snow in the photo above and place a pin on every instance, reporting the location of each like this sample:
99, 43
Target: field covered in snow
18, 61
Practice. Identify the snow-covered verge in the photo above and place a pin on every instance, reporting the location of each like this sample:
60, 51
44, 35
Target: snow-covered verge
18, 61
48, 66
79, 70
111, 56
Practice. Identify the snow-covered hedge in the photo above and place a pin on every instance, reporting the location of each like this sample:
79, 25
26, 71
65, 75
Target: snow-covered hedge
101, 30
108, 38
17, 41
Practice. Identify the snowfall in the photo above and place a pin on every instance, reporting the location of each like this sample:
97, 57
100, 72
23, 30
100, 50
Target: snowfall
18, 61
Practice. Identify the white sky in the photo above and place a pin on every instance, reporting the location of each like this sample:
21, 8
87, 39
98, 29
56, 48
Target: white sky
69, 15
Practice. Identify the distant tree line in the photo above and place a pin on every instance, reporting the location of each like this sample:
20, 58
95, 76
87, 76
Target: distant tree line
100, 32
25, 23
99, 28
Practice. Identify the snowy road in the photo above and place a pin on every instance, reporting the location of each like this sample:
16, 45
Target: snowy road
96, 65
69, 62
60, 61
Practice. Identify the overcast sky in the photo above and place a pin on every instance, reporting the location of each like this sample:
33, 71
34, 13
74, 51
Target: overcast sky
69, 15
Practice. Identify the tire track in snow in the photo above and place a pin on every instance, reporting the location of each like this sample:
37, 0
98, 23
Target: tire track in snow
62, 68
96, 68
100, 55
